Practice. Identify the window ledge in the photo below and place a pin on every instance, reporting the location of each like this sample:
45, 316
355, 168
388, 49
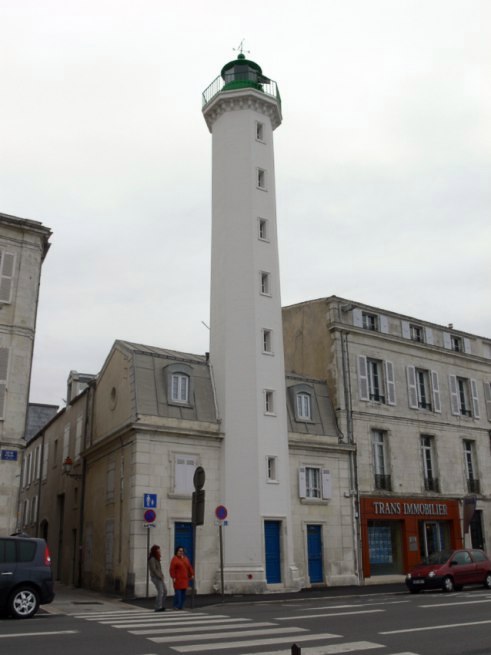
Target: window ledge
314, 501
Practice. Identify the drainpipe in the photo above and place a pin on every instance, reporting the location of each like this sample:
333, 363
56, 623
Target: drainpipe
354, 491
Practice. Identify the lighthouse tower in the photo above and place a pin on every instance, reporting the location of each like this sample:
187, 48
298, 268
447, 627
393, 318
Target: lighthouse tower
242, 108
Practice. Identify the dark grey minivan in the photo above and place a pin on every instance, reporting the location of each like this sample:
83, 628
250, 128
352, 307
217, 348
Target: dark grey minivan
26, 580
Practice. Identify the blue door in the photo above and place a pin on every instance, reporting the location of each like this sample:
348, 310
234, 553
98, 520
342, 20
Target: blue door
272, 535
183, 536
314, 550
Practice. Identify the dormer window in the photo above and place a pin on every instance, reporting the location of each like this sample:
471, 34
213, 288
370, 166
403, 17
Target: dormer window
180, 388
416, 332
179, 384
370, 321
304, 407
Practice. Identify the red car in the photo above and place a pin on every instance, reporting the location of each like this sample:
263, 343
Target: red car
449, 570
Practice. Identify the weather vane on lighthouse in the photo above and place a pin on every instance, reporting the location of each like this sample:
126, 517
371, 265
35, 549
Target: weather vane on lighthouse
240, 48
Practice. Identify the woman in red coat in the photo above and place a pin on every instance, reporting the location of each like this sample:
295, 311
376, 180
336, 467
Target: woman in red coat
181, 573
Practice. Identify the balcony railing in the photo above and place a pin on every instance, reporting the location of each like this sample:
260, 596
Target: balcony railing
432, 484
383, 482
473, 486
240, 82
377, 398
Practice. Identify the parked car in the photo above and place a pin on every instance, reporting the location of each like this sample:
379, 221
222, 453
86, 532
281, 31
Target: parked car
449, 570
26, 580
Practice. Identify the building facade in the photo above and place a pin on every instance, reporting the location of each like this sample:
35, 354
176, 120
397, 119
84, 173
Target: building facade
139, 430
23, 247
414, 398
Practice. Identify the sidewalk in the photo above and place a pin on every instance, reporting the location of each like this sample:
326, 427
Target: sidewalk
70, 600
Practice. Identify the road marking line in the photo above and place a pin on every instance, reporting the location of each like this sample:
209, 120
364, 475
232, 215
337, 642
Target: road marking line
172, 618
332, 649
435, 627
226, 635
456, 603
163, 624
228, 626
255, 642
321, 616
340, 607
39, 634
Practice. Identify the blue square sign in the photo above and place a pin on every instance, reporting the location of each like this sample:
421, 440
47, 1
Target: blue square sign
149, 501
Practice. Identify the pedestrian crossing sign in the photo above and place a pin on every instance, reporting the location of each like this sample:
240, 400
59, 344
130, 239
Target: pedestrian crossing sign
149, 501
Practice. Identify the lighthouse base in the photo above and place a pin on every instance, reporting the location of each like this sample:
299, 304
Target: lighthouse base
252, 580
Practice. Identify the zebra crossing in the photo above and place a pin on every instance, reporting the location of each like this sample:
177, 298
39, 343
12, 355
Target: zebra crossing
202, 632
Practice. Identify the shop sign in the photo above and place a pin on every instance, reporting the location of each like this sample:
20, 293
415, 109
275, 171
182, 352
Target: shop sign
410, 509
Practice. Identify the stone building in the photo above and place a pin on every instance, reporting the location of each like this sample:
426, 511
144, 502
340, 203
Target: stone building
141, 428
415, 400
23, 247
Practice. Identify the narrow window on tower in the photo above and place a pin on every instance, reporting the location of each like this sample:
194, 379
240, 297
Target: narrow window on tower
271, 469
263, 231
267, 341
261, 178
265, 283
268, 401
259, 131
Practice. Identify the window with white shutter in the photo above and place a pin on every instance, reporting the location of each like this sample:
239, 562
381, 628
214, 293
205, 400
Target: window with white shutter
7, 267
363, 378
487, 398
66, 443
45, 461
411, 387
435, 387
475, 399
454, 395
78, 436
428, 335
184, 468
4, 363
390, 383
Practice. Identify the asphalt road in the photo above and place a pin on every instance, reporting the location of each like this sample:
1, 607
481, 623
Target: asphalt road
431, 623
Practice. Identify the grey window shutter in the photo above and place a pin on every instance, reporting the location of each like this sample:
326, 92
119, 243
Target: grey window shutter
446, 341
326, 484
428, 332
391, 383
4, 363
475, 399
6, 276
435, 386
411, 387
357, 317
487, 398
406, 330
384, 324
467, 345
363, 377
454, 395
302, 485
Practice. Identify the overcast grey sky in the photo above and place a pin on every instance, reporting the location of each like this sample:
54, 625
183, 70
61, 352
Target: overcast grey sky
383, 160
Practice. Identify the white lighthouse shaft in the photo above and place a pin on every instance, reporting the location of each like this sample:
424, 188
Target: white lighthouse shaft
246, 350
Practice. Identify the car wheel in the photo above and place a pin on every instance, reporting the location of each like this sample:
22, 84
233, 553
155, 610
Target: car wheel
487, 581
415, 591
448, 584
458, 587
23, 603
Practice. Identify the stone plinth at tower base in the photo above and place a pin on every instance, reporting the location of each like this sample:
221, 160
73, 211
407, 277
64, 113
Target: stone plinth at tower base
252, 580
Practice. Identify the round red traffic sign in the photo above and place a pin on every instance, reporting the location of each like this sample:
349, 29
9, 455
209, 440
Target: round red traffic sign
221, 512
149, 516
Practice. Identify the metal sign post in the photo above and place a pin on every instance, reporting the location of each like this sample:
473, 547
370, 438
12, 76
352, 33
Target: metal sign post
221, 513
197, 515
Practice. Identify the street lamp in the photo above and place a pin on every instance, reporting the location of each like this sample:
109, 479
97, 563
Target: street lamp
67, 469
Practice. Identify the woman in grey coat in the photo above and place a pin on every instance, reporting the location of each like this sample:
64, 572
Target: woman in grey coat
157, 577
